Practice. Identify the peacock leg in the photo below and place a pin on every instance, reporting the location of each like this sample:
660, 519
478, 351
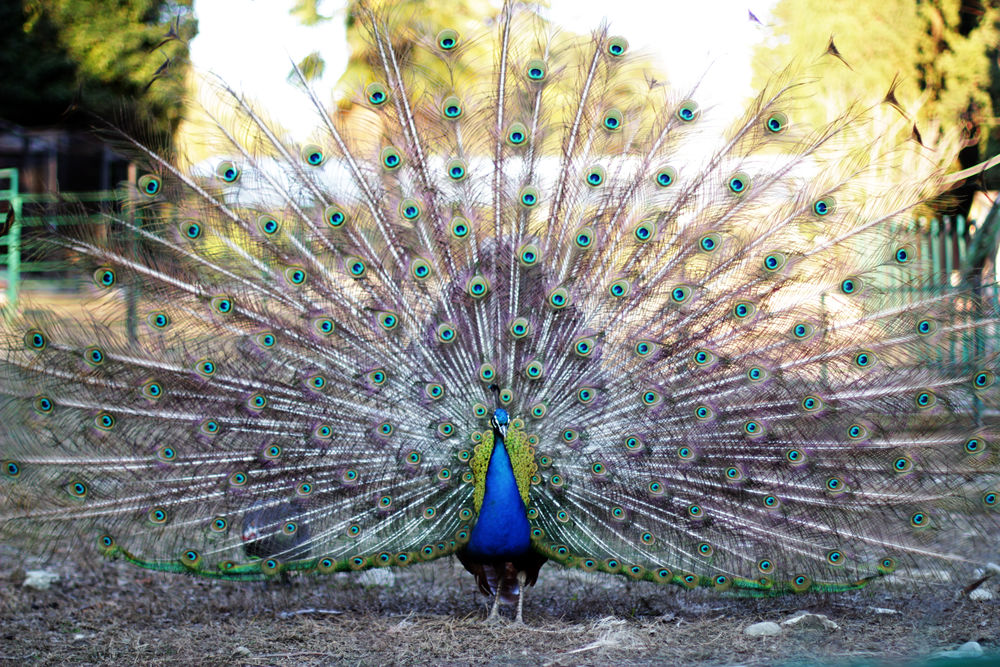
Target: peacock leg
522, 579
495, 611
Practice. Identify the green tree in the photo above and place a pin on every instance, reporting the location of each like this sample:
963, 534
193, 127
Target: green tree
941, 54
125, 60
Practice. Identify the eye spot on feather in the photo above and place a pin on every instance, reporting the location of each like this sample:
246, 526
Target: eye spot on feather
517, 134
420, 268
739, 183
688, 111
268, 225
619, 288
824, 207
457, 170
149, 185
528, 255
313, 155
536, 70
447, 39
391, 158
334, 216
459, 228
35, 340
228, 171
105, 277
94, 356
409, 209
158, 320
613, 120
665, 177
376, 94
702, 413
616, 46
776, 122
594, 176
43, 405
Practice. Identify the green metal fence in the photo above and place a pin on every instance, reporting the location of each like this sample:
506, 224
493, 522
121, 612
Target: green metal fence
11, 238
31, 213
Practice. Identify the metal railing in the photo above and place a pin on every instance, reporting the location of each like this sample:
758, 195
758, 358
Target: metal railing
29, 214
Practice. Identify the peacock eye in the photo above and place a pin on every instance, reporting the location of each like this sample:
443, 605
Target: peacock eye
620, 288
313, 155
529, 196
334, 216
447, 39
594, 176
824, 207
665, 177
687, 111
644, 232
529, 255
517, 134
617, 46
420, 269
451, 108
149, 185
776, 122
391, 158
228, 171
376, 94
739, 183
409, 209
460, 228
613, 121
536, 70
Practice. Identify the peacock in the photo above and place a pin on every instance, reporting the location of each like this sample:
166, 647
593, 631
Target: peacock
550, 311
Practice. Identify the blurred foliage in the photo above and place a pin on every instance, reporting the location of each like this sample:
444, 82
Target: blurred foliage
941, 53
311, 67
429, 77
125, 60
307, 11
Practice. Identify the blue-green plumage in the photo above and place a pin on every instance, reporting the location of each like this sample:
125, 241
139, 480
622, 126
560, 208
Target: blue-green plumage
502, 531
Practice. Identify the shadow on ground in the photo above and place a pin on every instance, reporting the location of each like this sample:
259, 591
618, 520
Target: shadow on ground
109, 613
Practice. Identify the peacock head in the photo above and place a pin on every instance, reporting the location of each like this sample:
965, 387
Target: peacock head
499, 421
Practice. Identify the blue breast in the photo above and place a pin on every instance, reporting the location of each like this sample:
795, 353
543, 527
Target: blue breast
502, 531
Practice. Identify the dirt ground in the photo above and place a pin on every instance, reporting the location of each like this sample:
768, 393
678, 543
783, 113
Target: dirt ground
104, 613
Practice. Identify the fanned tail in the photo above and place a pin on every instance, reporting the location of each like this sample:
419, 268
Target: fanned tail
722, 366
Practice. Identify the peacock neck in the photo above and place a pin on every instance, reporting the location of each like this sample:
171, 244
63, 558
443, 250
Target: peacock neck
502, 531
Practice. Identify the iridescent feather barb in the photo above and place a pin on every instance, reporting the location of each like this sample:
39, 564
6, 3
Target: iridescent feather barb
712, 366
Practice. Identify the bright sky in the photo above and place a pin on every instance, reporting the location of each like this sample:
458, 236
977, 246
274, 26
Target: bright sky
251, 45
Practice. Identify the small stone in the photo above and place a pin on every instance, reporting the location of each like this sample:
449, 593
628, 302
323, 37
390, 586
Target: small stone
965, 651
883, 610
805, 619
242, 651
762, 629
981, 593
40, 580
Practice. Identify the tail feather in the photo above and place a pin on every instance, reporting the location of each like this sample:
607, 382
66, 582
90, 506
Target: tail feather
718, 340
